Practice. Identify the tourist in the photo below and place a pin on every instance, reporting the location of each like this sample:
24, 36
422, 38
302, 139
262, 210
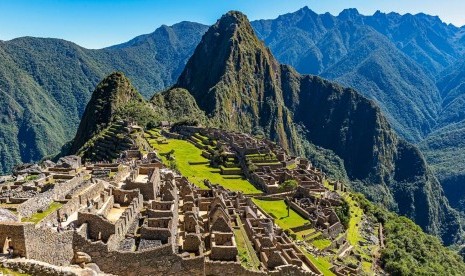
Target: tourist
10, 251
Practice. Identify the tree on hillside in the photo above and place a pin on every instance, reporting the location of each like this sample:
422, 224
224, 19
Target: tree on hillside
288, 185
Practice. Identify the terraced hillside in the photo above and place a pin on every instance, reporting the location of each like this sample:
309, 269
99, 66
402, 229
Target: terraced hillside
187, 157
108, 144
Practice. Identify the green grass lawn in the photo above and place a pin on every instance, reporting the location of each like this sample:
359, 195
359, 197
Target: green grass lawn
184, 152
321, 243
278, 209
37, 217
292, 166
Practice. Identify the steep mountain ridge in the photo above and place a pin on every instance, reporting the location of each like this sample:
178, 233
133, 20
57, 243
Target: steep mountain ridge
242, 90
238, 83
335, 47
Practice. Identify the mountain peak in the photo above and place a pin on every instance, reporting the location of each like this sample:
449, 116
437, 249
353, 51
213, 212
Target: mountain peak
237, 15
112, 92
115, 88
232, 22
350, 14
235, 79
228, 46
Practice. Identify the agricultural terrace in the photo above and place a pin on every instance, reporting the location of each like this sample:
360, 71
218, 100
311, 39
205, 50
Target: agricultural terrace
278, 210
37, 217
194, 166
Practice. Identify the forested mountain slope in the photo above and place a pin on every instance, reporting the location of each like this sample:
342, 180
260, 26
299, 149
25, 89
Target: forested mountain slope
46, 84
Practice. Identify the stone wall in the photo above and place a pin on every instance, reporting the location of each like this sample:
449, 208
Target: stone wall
301, 227
47, 245
124, 197
98, 226
157, 261
108, 205
39, 202
158, 213
148, 189
68, 208
228, 268
61, 189
298, 209
90, 193
152, 233
122, 172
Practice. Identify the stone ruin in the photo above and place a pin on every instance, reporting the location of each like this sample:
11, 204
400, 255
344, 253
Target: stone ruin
136, 217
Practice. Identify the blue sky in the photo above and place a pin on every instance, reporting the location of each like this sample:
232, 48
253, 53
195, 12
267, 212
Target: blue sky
101, 23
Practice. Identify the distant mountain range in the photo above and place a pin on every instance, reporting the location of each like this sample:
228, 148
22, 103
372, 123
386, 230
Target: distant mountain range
410, 65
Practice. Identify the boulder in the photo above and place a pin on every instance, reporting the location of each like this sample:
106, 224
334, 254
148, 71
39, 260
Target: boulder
71, 161
81, 257
48, 164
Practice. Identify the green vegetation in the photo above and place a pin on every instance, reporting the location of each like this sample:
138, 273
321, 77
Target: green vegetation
278, 210
288, 185
53, 99
178, 105
113, 99
322, 263
31, 177
343, 213
107, 144
9, 272
300, 235
186, 152
37, 217
408, 250
139, 112
246, 252
321, 243
444, 150
292, 166
356, 214
49, 103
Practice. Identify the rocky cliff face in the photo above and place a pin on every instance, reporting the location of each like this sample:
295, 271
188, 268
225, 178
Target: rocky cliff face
238, 83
